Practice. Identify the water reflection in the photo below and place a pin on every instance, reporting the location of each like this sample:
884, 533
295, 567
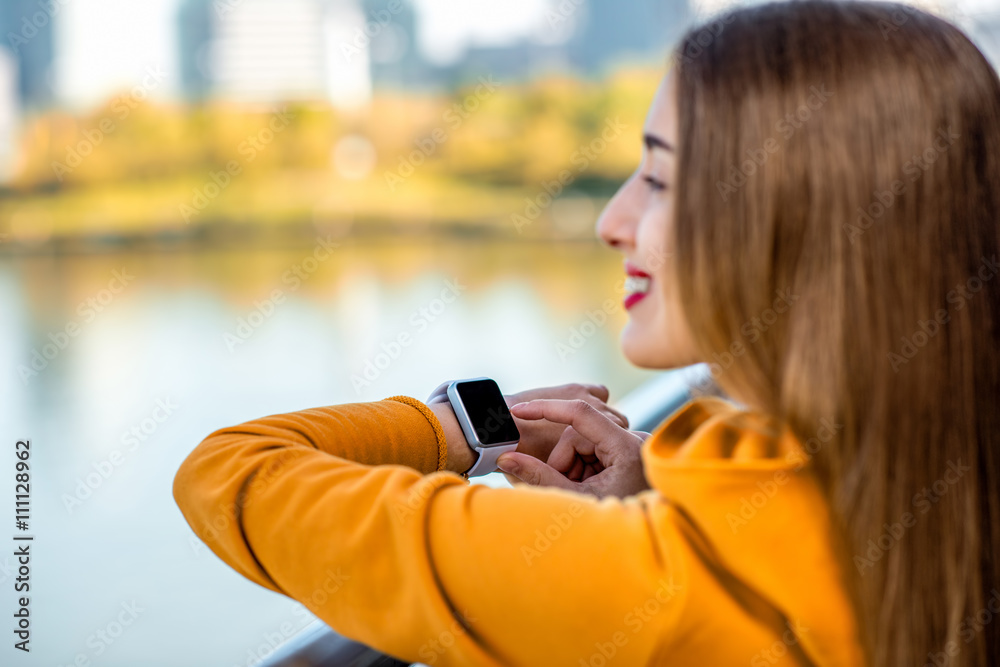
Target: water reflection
120, 403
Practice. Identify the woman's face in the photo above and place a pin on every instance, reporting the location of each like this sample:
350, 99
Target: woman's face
636, 222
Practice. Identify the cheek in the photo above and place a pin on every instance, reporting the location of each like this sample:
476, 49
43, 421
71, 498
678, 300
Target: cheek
653, 244
657, 249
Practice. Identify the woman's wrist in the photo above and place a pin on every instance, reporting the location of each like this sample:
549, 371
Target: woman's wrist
461, 457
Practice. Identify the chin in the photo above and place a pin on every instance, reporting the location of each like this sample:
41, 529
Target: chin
642, 352
646, 350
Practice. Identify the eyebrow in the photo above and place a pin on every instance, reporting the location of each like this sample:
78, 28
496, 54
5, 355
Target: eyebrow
652, 141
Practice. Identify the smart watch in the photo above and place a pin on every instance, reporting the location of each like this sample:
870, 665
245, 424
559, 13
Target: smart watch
482, 413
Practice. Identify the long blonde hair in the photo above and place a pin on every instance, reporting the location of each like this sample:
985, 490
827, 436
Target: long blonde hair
848, 153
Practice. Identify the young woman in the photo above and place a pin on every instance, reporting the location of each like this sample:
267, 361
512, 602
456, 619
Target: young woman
817, 215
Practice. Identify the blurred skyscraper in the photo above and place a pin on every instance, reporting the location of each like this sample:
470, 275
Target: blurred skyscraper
9, 114
265, 50
396, 60
26, 27
583, 37
274, 50
608, 32
194, 36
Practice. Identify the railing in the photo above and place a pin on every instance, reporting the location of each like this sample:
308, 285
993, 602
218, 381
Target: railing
317, 645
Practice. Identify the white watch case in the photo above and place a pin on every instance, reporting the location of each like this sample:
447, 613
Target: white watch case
488, 454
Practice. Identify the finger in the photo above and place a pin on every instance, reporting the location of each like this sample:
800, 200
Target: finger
562, 456
598, 390
530, 470
511, 479
613, 415
569, 445
581, 415
619, 415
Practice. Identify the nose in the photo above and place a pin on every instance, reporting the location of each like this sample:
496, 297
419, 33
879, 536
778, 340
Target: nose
616, 224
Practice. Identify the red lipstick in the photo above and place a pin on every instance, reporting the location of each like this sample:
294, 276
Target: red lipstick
637, 284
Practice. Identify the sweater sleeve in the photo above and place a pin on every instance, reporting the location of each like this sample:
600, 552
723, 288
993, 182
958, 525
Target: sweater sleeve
346, 509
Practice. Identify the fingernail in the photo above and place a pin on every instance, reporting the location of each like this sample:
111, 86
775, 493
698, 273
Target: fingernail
518, 405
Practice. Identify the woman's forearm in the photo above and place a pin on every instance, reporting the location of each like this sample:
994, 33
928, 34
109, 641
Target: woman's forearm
219, 480
461, 457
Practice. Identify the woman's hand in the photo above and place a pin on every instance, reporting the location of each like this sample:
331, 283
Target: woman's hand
540, 436
594, 454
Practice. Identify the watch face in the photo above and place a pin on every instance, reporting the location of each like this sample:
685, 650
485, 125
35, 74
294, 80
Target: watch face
488, 412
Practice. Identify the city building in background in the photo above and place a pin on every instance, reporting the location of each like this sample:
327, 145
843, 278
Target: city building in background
396, 59
611, 32
339, 50
9, 114
273, 50
26, 60
334, 51
582, 38
28, 37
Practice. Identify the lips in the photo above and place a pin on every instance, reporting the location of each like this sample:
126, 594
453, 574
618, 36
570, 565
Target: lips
637, 283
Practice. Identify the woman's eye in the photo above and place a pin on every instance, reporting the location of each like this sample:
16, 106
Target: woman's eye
655, 184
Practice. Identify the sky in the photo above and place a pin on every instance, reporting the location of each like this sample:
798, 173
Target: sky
106, 46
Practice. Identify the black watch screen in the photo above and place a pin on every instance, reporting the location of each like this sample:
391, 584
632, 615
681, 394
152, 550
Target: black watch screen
488, 413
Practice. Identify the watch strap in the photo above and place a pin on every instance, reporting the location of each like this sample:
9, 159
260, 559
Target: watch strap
487, 461
440, 393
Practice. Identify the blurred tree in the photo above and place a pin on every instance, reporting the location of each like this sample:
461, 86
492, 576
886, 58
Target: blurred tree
470, 156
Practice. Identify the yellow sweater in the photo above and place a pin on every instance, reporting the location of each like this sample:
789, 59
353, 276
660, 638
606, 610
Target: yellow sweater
726, 560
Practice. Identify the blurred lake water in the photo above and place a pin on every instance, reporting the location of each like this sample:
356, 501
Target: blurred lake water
117, 365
